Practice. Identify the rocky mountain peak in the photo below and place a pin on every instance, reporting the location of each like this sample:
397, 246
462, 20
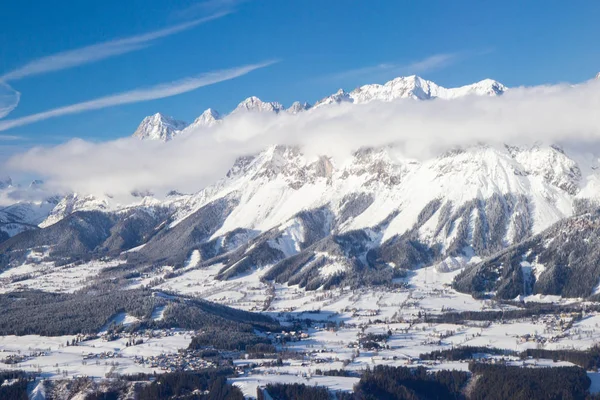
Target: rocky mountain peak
159, 127
253, 103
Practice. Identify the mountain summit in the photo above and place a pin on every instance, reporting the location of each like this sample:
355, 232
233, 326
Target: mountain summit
159, 127
210, 117
253, 103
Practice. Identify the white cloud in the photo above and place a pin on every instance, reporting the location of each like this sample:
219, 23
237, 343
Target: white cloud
431, 63
9, 137
134, 96
99, 51
551, 114
9, 99
208, 6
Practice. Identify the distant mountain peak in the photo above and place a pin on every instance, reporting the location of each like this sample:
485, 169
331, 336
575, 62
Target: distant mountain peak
488, 87
253, 103
159, 127
212, 112
341, 96
297, 107
36, 183
210, 117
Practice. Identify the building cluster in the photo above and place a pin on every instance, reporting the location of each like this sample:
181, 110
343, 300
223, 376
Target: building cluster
287, 336
175, 362
17, 358
139, 337
105, 355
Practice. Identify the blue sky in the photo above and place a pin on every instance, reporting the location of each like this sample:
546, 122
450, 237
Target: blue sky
320, 46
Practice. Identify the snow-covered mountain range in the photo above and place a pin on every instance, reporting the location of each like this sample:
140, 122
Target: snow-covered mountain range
160, 127
285, 217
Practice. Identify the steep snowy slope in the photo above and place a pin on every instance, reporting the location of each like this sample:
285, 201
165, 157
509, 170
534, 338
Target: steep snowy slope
207, 119
73, 203
280, 182
23, 216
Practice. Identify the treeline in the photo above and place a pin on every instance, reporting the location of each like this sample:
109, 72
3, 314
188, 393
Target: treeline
222, 327
13, 385
461, 353
109, 395
587, 359
192, 385
499, 382
382, 382
195, 314
335, 372
241, 338
53, 314
526, 310
295, 391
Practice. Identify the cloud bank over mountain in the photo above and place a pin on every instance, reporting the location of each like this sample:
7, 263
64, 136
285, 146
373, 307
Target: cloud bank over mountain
550, 114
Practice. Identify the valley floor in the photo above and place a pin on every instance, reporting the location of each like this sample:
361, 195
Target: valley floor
341, 320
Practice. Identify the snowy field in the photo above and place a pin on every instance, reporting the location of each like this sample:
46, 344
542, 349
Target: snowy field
49, 277
53, 359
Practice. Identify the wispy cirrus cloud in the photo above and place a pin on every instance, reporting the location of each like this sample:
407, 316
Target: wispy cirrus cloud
138, 95
100, 51
9, 138
206, 7
434, 62
9, 99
